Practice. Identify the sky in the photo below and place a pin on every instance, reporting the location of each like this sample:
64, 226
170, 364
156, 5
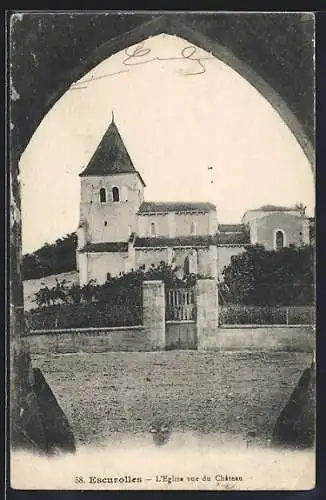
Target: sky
194, 128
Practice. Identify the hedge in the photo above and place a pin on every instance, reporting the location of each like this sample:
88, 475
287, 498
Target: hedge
83, 316
266, 315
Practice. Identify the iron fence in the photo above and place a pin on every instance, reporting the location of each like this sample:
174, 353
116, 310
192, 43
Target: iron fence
237, 314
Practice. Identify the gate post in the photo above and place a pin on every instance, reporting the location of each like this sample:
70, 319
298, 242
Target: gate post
207, 312
154, 313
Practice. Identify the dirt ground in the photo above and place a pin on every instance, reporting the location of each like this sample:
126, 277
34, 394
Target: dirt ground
227, 392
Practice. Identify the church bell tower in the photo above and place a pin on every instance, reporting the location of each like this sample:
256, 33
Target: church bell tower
111, 194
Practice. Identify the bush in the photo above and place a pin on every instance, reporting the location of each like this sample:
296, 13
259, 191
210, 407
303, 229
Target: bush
82, 316
116, 303
276, 278
267, 315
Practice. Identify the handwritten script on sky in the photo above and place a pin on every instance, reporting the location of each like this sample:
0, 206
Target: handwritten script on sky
136, 56
195, 129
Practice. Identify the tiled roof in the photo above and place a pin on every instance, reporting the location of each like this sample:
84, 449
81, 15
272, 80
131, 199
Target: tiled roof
110, 157
105, 247
174, 242
163, 242
230, 228
273, 208
232, 239
182, 206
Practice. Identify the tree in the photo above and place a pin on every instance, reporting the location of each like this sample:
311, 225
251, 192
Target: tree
55, 258
60, 292
75, 294
118, 290
263, 277
43, 297
301, 207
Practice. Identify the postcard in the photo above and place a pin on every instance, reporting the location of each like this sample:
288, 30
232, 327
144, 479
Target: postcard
162, 246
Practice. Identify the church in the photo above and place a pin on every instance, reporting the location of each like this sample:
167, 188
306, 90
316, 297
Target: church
119, 230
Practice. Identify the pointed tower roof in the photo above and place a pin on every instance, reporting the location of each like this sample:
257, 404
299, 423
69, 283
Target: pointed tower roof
111, 156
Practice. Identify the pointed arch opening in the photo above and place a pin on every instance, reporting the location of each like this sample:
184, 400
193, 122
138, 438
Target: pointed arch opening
189, 67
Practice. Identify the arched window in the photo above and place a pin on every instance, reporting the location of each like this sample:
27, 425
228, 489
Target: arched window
186, 265
115, 194
102, 195
279, 240
153, 229
193, 227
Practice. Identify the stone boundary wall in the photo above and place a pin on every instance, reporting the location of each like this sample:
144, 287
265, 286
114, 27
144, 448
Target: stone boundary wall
264, 338
130, 338
157, 334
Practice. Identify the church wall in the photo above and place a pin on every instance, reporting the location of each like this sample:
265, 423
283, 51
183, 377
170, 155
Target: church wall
151, 256
180, 254
161, 222
100, 264
174, 224
213, 223
82, 268
183, 222
201, 260
253, 232
110, 221
291, 225
131, 259
306, 231
97, 265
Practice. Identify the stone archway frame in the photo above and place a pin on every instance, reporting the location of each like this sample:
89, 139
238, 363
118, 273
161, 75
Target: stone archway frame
21, 367
171, 26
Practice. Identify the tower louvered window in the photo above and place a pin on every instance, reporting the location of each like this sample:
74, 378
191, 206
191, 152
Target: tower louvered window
102, 195
115, 194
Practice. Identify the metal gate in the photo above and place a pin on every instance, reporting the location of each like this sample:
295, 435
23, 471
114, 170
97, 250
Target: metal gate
180, 304
181, 318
